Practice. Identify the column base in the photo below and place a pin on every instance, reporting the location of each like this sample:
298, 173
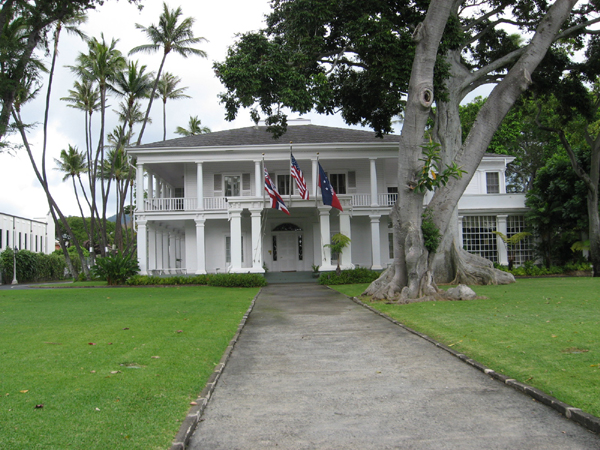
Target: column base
376, 267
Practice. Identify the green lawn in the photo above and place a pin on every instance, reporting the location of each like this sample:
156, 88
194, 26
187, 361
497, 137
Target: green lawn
113, 368
544, 332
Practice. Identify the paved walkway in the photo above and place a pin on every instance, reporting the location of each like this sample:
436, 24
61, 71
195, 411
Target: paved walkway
314, 370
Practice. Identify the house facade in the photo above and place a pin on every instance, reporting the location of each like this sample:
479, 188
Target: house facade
202, 207
36, 235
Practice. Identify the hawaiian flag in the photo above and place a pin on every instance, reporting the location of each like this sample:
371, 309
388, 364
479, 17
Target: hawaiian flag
276, 200
299, 177
327, 192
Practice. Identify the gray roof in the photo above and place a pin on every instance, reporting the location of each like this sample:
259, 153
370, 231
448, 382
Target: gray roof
299, 134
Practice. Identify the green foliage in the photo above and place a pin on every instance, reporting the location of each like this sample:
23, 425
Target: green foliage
557, 209
353, 56
115, 269
352, 276
237, 280
431, 233
147, 280
430, 176
530, 269
31, 266
339, 242
78, 228
218, 280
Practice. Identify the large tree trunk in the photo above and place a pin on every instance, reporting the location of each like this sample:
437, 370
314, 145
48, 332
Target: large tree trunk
413, 270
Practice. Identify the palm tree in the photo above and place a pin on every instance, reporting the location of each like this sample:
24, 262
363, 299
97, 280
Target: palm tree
195, 128
85, 96
168, 90
73, 163
134, 84
171, 36
101, 64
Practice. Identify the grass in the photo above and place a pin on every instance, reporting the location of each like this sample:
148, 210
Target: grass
153, 350
544, 332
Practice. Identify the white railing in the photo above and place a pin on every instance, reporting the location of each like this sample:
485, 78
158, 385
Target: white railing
170, 204
383, 200
215, 203
361, 199
387, 199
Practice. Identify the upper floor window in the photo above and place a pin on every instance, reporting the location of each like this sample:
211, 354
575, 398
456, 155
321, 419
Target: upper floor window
493, 182
283, 184
338, 181
231, 184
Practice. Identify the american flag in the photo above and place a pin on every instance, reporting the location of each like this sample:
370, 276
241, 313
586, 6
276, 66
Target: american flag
276, 200
299, 177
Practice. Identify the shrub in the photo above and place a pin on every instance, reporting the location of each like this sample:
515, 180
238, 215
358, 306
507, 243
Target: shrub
352, 276
237, 280
115, 269
148, 280
31, 266
431, 233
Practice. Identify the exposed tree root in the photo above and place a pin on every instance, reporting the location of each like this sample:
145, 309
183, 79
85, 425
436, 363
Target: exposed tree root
473, 269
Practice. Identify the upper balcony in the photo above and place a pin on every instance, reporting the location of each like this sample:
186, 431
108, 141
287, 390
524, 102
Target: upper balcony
355, 201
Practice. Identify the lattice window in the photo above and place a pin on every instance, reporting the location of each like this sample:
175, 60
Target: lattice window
492, 182
523, 251
478, 237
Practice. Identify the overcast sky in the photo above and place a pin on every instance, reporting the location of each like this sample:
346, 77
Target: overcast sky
218, 22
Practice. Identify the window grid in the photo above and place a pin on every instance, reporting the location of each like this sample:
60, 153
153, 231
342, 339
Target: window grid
478, 237
523, 250
493, 182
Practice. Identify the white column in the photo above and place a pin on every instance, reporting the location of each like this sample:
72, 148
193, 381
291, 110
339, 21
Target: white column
199, 186
172, 245
375, 242
142, 244
257, 251
200, 249
325, 239
258, 179
159, 248
139, 196
346, 262
165, 248
236, 240
374, 196
150, 185
501, 227
151, 247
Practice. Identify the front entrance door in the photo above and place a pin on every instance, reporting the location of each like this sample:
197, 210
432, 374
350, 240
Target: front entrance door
287, 253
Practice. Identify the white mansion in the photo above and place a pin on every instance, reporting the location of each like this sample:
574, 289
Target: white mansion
202, 208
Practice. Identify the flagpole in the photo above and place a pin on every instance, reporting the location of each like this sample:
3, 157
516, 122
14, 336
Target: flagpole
318, 175
290, 166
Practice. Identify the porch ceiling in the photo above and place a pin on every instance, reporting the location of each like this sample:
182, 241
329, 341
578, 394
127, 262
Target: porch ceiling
172, 173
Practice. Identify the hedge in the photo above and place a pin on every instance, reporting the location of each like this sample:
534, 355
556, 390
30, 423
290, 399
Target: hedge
351, 276
32, 266
221, 279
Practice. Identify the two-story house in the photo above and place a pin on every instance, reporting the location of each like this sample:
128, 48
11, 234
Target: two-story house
202, 207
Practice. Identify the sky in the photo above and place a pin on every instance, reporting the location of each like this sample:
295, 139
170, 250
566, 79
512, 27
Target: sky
218, 22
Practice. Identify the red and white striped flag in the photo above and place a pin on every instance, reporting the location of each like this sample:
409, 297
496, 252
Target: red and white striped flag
299, 177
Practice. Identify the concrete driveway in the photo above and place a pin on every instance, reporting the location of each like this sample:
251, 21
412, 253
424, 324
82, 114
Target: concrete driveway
314, 370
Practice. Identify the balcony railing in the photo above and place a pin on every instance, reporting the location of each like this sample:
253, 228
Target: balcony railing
221, 204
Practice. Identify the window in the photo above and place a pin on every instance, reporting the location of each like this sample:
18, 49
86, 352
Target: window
283, 184
20, 240
338, 181
391, 245
522, 251
25, 241
493, 182
478, 237
274, 248
231, 185
0, 238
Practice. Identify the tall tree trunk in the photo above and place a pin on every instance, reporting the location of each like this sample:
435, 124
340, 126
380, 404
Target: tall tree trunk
408, 278
413, 268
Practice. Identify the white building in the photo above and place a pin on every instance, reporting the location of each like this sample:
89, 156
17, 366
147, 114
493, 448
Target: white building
201, 205
36, 235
